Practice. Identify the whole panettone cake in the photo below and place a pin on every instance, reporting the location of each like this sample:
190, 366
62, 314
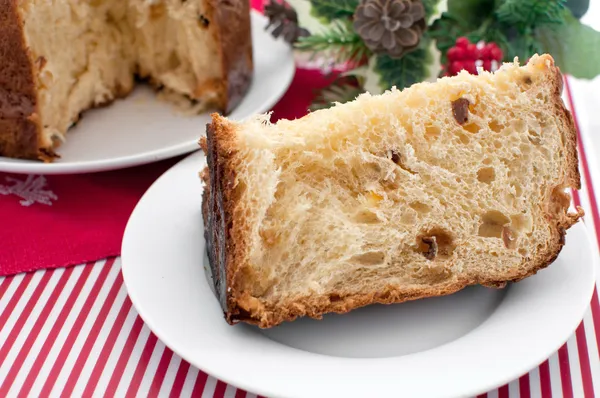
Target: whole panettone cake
60, 58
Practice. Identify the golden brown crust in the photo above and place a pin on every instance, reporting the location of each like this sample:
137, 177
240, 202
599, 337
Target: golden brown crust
19, 121
235, 47
239, 306
568, 127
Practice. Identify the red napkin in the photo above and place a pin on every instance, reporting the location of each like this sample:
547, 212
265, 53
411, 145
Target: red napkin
57, 221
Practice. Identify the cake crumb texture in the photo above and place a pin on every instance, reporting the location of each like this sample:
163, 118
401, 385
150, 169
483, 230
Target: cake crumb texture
405, 195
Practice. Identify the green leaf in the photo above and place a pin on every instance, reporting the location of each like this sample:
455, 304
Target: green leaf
531, 13
573, 47
431, 7
340, 41
328, 10
444, 31
524, 47
410, 69
470, 13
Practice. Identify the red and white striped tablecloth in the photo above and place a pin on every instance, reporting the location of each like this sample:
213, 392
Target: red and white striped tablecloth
74, 332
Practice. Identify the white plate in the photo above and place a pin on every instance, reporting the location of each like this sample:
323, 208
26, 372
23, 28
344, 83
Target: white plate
459, 345
141, 129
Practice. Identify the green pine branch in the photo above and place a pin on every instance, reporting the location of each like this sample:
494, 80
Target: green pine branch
343, 89
329, 10
531, 13
340, 42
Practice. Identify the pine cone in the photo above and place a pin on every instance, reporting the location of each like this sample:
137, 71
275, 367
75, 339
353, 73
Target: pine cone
392, 27
285, 21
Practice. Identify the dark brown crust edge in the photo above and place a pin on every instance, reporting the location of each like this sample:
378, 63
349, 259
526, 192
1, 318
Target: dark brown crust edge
221, 233
214, 215
235, 48
20, 135
218, 204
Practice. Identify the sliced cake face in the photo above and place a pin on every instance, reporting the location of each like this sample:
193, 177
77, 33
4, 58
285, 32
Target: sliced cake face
394, 197
74, 55
79, 60
199, 48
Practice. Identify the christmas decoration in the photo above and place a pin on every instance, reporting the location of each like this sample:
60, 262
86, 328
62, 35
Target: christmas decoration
468, 56
387, 43
392, 27
285, 21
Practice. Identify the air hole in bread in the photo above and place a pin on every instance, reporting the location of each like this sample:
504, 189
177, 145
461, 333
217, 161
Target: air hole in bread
268, 236
519, 126
509, 168
522, 223
408, 217
495, 126
367, 217
509, 237
525, 149
518, 189
527, 80
334, 297
486, 175
432, 133
464, 138
369, 258
397, 158
420, 207
497, 144
472, 128
487, 161
435, 244
534, 137
492, 224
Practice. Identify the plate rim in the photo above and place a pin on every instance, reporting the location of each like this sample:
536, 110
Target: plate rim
139, 159
199, 160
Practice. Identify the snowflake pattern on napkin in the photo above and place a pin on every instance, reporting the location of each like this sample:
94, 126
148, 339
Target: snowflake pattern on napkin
31, 190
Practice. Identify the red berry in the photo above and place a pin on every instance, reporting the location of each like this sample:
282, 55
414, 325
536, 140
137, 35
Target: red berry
485, 53
456, 54
455, 67
472, 52
470, 67
487, 65
462, 42
497, 54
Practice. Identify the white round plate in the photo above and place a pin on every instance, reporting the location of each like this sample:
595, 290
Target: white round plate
458, 345
141, 129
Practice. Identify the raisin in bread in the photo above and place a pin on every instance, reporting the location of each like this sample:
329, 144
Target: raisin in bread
388, 198
60, 58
